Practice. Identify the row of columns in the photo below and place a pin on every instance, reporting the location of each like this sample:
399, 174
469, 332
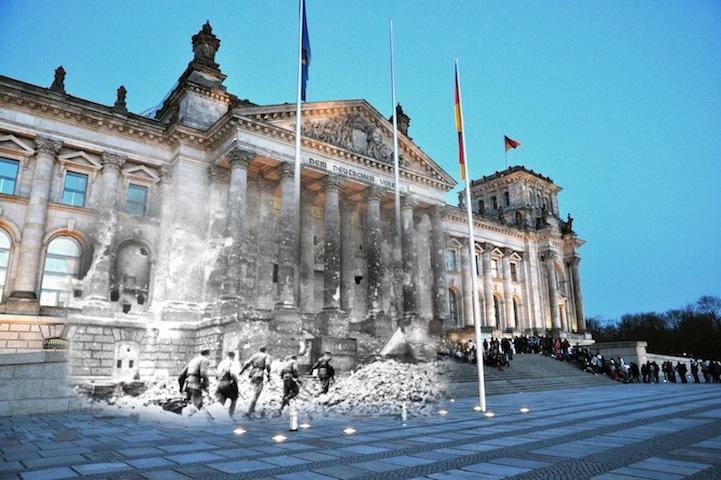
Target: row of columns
488, 291
338, 274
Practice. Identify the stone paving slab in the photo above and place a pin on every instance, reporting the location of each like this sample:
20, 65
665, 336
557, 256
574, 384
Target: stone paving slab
643, 431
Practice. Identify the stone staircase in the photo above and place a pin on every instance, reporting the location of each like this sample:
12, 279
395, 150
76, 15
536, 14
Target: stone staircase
526, 373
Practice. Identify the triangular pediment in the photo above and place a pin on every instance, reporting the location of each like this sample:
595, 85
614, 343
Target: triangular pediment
13, 143
356, 129
141, 172
80, 159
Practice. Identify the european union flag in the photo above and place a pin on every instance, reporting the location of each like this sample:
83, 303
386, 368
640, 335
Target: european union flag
305, 57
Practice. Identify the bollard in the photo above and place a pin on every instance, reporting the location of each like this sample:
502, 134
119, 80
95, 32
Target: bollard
404, 412
293, 418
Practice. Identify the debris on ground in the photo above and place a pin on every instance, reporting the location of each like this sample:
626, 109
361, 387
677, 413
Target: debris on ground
378, 388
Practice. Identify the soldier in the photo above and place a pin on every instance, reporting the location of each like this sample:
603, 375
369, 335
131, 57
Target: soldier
259, 365
289, 375
196, 380
227, 375
326, 372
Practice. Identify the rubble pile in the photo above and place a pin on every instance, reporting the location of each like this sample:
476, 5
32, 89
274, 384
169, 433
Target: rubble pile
378, 388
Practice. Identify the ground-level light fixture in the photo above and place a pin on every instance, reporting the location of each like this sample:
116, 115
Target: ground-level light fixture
304, 425
349, 431
525, 410
239, 431
490, 414
279, 438
442, 411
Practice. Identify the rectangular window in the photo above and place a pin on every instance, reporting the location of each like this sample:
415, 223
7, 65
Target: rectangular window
137, 200
494, 268
514, 272
74, 190
8, 175
451, 260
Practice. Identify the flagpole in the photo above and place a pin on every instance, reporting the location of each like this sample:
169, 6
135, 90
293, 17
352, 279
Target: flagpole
298, 118
472, 254
396, 175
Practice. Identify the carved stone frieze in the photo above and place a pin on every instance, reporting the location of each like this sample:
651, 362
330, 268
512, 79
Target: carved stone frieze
351, 132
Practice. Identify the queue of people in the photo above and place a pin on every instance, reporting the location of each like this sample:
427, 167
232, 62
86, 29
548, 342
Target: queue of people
194, 380
499, 353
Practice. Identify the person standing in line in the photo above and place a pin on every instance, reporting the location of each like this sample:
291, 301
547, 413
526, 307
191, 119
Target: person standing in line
326, 372
289, 375
227, 375
196, 380
681, 369
259, 365
694, 370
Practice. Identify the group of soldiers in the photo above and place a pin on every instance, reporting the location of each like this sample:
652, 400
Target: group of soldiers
194, 379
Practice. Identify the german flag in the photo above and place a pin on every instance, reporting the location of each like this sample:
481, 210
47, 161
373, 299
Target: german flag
511, 143
459, 128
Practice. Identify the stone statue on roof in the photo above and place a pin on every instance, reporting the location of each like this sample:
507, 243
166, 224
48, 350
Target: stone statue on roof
59, 80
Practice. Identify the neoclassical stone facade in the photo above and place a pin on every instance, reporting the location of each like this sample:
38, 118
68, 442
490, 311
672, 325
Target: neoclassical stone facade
140, 239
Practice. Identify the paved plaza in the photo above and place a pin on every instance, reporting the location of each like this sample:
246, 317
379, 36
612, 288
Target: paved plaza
640, 431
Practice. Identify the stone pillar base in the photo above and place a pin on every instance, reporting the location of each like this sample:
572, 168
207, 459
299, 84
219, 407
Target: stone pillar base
23, 303
333, 322
435, 326
286, 320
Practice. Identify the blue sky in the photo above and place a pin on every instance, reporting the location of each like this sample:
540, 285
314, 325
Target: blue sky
618, 102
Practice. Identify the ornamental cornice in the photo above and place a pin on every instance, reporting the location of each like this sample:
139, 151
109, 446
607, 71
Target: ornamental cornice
82, 112
455, 214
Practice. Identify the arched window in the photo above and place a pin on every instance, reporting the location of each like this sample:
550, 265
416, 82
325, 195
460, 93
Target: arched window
5, 245
62, 266
453, 306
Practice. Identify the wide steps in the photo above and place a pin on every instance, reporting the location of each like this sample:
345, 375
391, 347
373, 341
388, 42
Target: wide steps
527, 372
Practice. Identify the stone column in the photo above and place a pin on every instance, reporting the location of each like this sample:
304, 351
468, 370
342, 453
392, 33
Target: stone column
332, 263
373, 249
488, 285
466, 284
441, 313
549, 259
239, 160
508, 290
347, 256
287, 261
410, 257
577, 296
96, 284
307, 252
23, 298
165, 235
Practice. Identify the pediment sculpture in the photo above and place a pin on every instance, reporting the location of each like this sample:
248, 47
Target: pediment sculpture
353, 133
